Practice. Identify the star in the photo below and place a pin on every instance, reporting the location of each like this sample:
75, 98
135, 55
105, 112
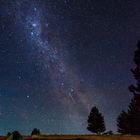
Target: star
35, 9
19, 77
28, 96
32, 33
72, 90
34, 24
62, 84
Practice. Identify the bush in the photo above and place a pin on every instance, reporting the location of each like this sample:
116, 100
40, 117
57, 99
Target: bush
35, 132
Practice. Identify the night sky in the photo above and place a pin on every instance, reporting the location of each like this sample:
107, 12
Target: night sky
58, 58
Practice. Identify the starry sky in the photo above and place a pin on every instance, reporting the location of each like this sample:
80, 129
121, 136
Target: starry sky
58, 58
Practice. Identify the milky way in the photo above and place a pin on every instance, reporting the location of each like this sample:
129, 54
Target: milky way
52, 60
64, 81
60, 58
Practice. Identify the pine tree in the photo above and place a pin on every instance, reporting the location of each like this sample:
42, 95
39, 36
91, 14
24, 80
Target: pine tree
96, 121
123, 123
132, 116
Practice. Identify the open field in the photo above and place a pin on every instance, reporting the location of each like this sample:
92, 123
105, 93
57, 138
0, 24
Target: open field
83, 137
80, 137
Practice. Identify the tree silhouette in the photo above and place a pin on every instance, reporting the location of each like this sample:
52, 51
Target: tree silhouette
95, 121
123, 123
35, 131
134, 115
16, 135
129, 122
8, 134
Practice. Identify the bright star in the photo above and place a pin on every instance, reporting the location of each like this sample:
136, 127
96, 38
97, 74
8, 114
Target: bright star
34, 24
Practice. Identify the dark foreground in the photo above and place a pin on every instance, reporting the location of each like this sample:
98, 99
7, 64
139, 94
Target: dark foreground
79, 137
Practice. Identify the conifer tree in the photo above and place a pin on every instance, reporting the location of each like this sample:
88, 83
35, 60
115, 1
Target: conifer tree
132, 116
96, 121
123, 123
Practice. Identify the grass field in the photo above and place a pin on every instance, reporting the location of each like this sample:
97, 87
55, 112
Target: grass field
84, 137
79, 137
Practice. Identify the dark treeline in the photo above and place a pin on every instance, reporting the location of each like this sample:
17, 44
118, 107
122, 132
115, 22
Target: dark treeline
128, 122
